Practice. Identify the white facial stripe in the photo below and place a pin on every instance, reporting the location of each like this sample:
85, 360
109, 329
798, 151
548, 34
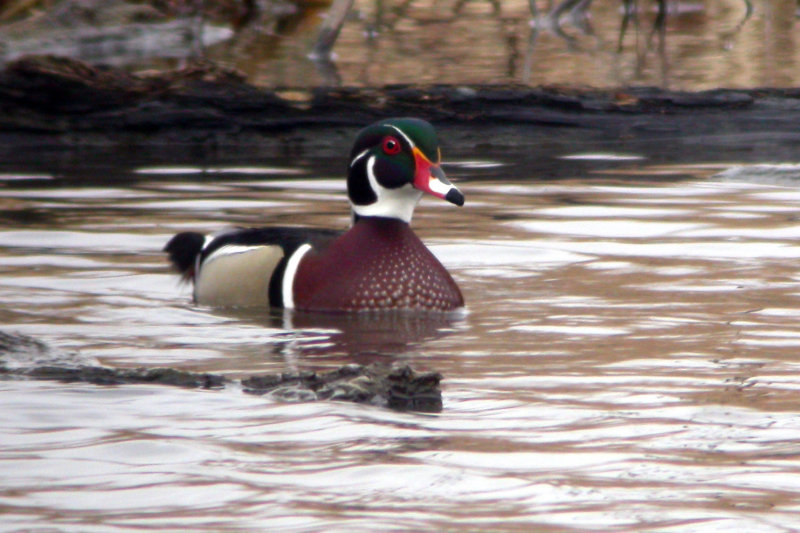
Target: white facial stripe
359, 156
290, 273
408, 140
373, 181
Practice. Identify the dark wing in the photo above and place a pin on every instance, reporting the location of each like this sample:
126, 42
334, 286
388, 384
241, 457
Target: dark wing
243, 266
287, 237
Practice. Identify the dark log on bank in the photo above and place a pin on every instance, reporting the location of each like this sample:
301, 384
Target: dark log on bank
57, 115
396, 387
74, 102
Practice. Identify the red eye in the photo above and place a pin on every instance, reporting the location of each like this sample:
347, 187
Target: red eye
391, 146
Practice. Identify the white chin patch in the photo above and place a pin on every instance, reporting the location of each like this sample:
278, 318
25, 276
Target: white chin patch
392, 203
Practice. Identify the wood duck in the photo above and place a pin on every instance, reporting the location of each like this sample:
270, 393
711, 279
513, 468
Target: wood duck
378, 264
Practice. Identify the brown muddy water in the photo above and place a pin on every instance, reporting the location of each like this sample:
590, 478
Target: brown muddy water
628, 360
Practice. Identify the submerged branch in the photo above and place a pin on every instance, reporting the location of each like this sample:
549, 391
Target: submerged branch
397, 387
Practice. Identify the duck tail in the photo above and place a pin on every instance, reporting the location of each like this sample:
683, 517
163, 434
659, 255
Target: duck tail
183, 250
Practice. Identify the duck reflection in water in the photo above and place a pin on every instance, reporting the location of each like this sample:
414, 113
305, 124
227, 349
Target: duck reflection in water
367, 335
364, 338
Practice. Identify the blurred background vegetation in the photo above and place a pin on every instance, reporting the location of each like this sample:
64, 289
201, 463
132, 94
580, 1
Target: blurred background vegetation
675, 44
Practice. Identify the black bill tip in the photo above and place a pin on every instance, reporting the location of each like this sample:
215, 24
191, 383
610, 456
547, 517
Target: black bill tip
454, 196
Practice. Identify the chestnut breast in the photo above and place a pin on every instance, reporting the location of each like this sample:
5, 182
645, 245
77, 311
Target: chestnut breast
379, 264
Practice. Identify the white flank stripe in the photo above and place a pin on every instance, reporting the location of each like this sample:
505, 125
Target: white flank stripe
207, 241
231, 249
289, 274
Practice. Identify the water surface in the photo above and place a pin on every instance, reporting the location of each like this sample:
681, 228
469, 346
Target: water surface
628, 361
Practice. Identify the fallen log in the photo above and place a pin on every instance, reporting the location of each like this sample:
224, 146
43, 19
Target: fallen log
53, 95
397, 387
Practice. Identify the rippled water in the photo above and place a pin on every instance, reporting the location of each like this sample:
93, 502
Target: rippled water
628, 361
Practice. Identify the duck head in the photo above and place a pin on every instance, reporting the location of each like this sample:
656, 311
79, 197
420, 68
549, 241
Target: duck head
393, 162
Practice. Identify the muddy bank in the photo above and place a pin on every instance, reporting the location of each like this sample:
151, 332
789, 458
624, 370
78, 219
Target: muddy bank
67, 119
55, 101
397, 387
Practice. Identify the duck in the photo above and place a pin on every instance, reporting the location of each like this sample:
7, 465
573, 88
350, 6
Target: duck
378, 264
